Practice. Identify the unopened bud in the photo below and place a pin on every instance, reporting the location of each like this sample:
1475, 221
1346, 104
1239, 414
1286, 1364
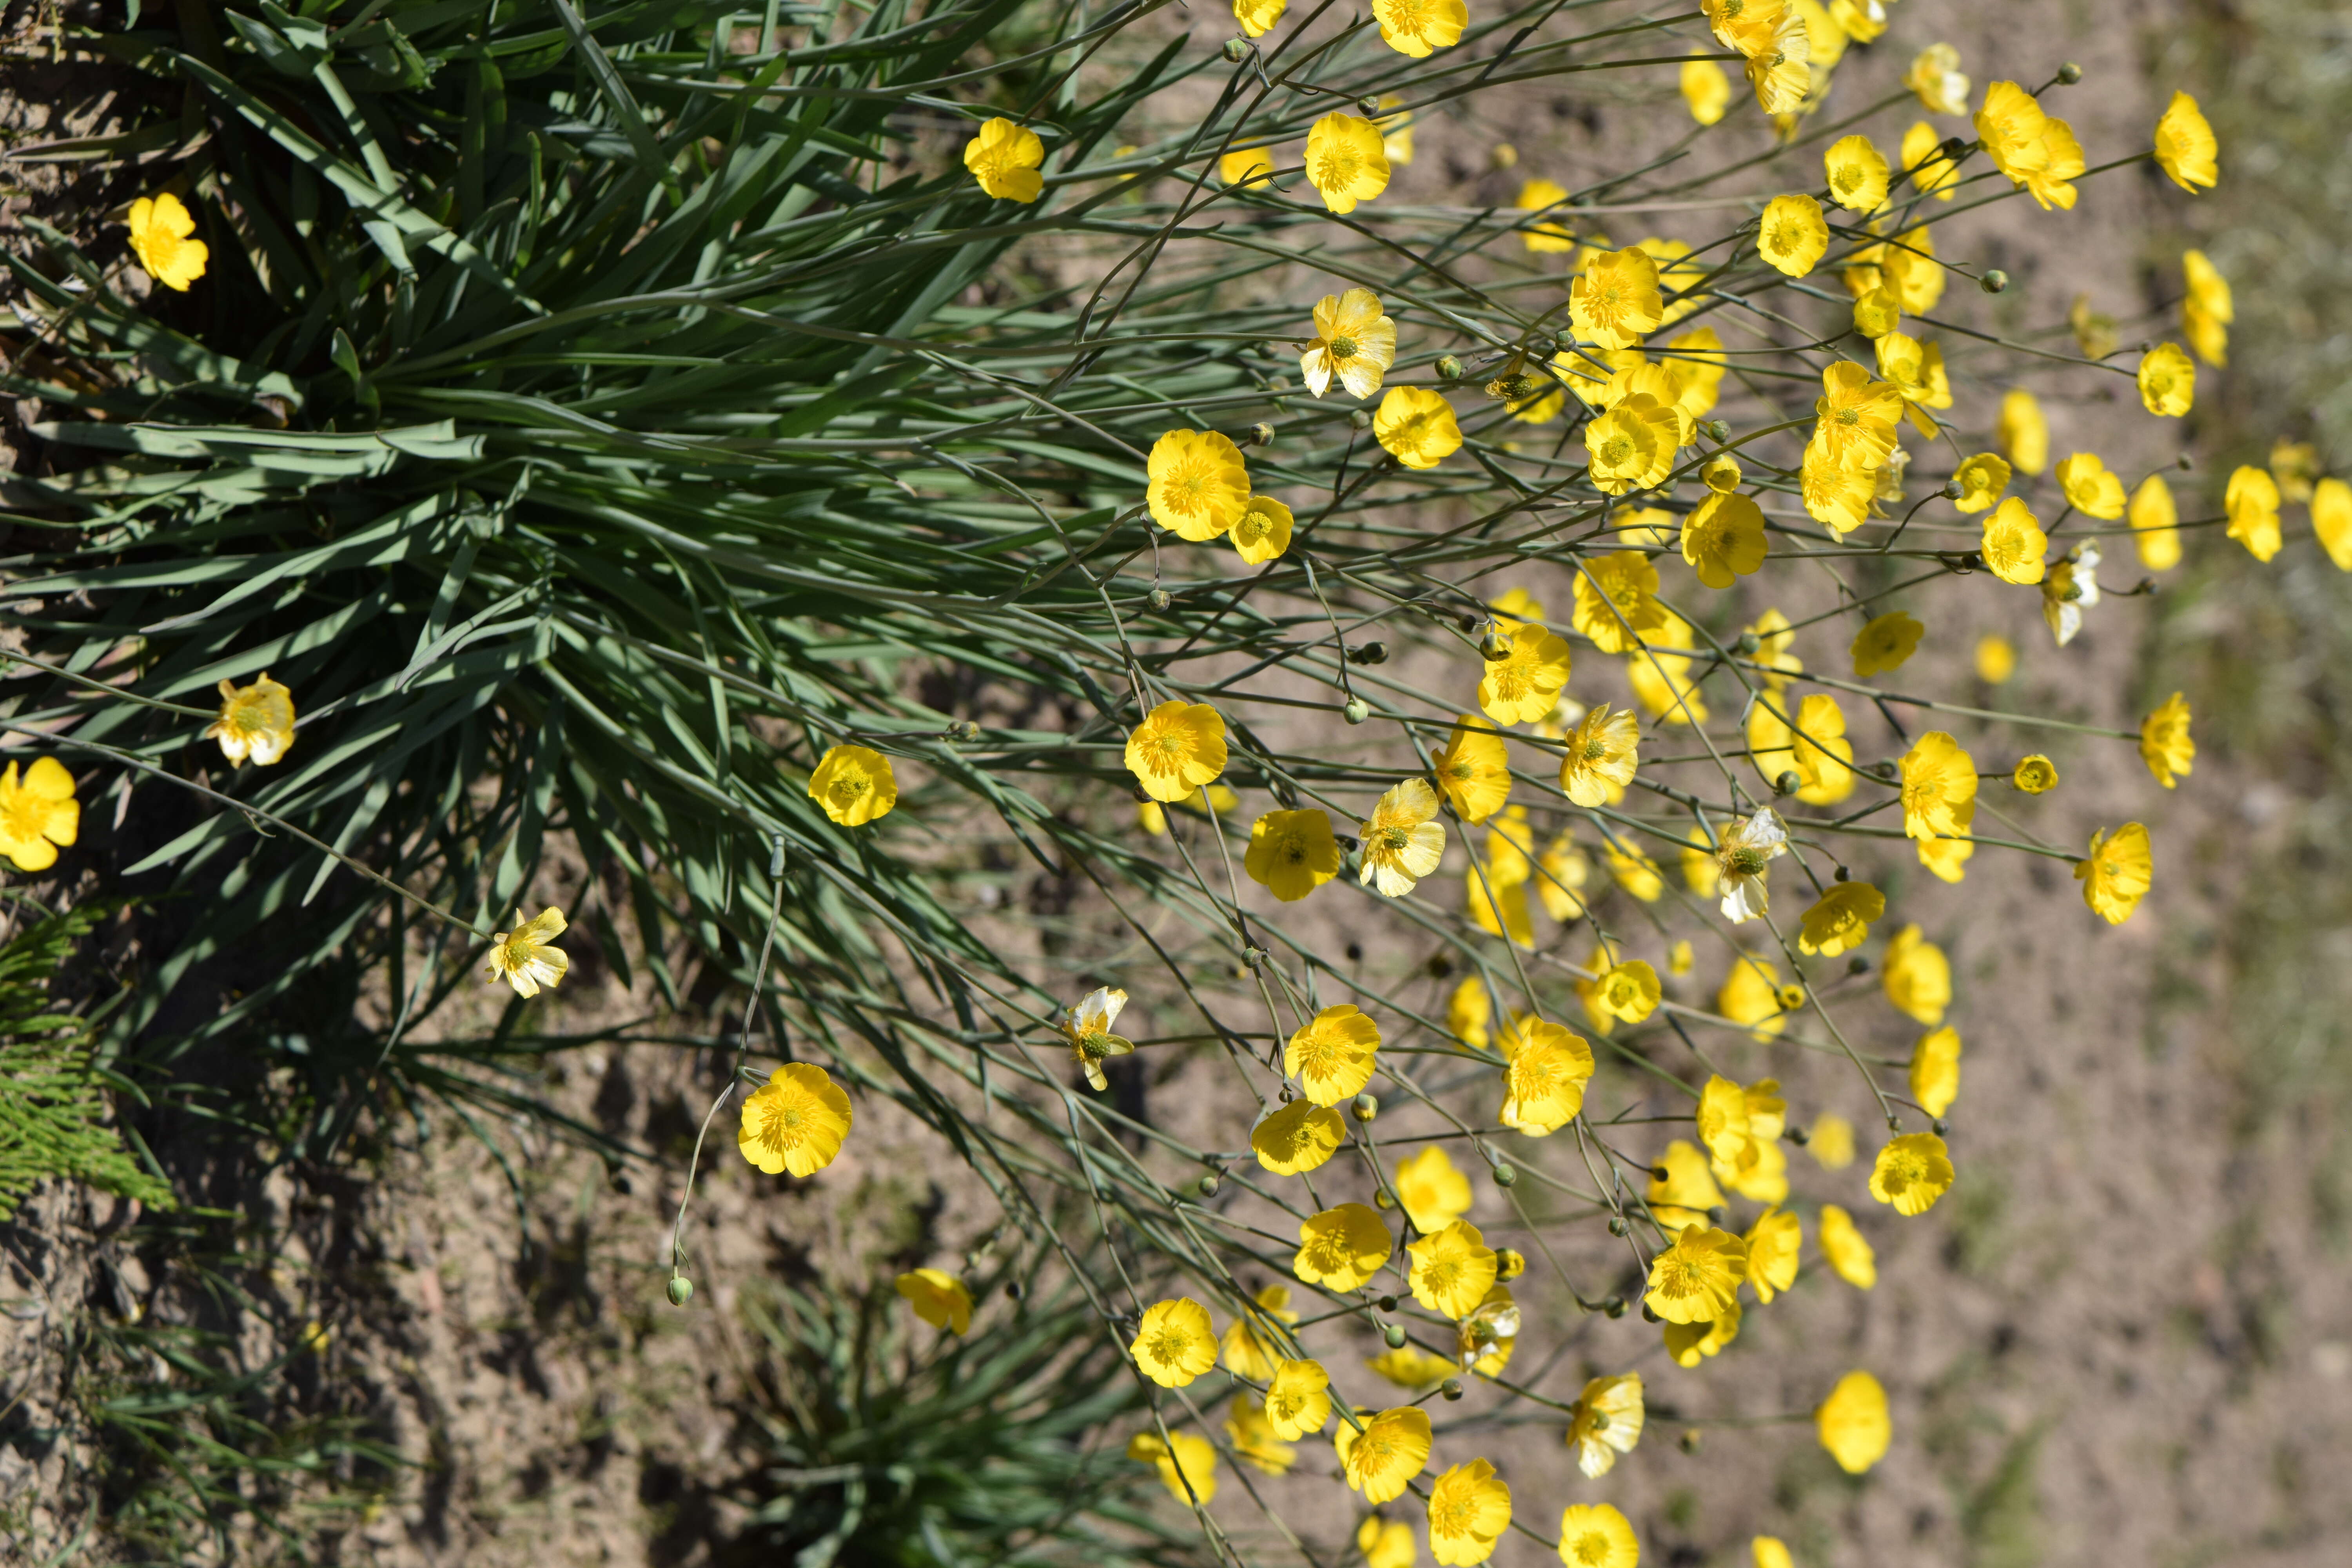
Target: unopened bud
1209, 1184
1717, 430
1369, 653
1356, 710
1504, 156
681, 1290
1749, 643
1381, 1200
1388, 1303
2070, 73
1013, 1290
1616, 1225
1648, 1316
1788, 783
1494, 647
1394, 1334
1614, 1306
1236, 49
1953, 490
1798, 1136
1451, 1388
1688, 1441
1857, 964
1843, 875
1994, 282
1954, 148
1449, 367
1159, 600
1365, 1108
1940, 1127
1505, 1177
1261, 434
1720, 473
2184, 462
1360, 419
1509, 1263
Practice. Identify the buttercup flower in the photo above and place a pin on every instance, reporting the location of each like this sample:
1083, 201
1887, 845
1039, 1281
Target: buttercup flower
1258, 17
1452, 1270
1432, 1193
1839, 918
2014, 543
1004, 157
1916, 370
1852, 1423
1606, 1422
1174, 1344
2168, 381
39, 814
1935, 77
1342, 1247
1474, 769
1936, 1071
1791, 235
1535, 195
1253, 1438
1299, 1400
2010, 124
1843, 1247
161, 226
1597, 1536
1292, 853
1913, 1171
2091, 488
1750, 995
796, 1122
2053, 185
1884, 643
1689, 1343
522, 957
1856, 172
1724, 539
1770, 1551
2252, 503
255, 722
2116, 873
1198, 486
938, 1298
1932, 174
2331, 519
2164, 743
1706, 91
1616, 601
2295, 466
1946, 858
1614, 300
1297, 1138
1916, 976
1632, 446
1333, 1056
1696, 1280
1685, 1194
1402, 841
1354, 340
2185, 145
1382, 1460
1469, 1509
1996, 658
1832, 1141
855, 785
1775, 1242
1525, 684
2035, 775
1411, 1368
1087, 1029
1939, 788
1981, 479
1262, 532
1188, 1472
1385, 1543
1416, 427
1346, 161
1659, 677
1421, 27
1246, 1349
1179, 747
2071, 586
1856, 416
1482, 1342
1543, 1086
1778, 68
2022, 432
1741, 854
1627, 992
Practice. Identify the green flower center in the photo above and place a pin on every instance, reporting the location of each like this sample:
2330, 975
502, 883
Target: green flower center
1343, 348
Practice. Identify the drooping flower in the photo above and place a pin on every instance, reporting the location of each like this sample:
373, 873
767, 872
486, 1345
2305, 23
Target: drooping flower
1006, 158
1292, 853
1913, 1171
1916, 370
1298, 1399
1685, 1192
1087, 1029
1416, 427
1615, 301
938, 1298
1347, 161
1174, 1344
1342, 1247
1403, 840
1178, 748
1935, 1072
2168, 381
1852, 1423
2116, 873
1297, 1138
1474, 770
1197, 484
2251, 502
1775, 1242
1355, 340
255, 722
38, 815
1452, 1270
796, 1122
1469, 1509
1779, 67
1916, 976
1188, 1472
1432, 1193
1885, 643
161, 227
522, 957
2164, 742
1856, 172
1839, 918
1706, 91
1382, 1459
1543, 1084
1697, 1278
1844, 1247
2022, 432
1606, 1421
1596, 1536
1483, 1340
2186, 149
1333, 1056
2013, 543
1741, 854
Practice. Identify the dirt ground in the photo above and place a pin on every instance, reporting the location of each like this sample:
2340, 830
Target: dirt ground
2125, 1337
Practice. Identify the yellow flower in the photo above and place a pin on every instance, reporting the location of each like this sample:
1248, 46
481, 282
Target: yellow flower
1838, 493
1616, 601
1483, 1340
1087, 1030
1432, 1193
1741, 854
1174, 1344
2164, 743
1774, 1244
1178, 748
1333, 1056
1402, 841
1705, 90
855, 785
1825, 40
1469, 1509
1856, 172
1606, 1421
1831, 1143
1253, 1438
1791, 235
1852, 1423
1385, 1543
1004, 157
1840, 920
1354, 340
1535, 195
1936, 1071
1697, 367
1411, 1368
1543, 1086
1884, 643
1632, 446
1245, 1348
1915, 372
2035, 775
1913, 1171
1861, 20
1723, 1124
1996, 658
1700, 874
1724, 539
1421, 27
1770, 1551
1916, 976
522, 957
1342, 1247
1525, 684
1688, 1344
255, 722
1416, 427
2117, 872
1258, 17
1751, 996
1246, 166
2091, 488
1932, 174
1382, 1459
1292, 853
1696, 1280
1474, 769
1627, 992
1982, 478
938, 1298
796, 1122
1604, 751
1190, 1472
2010, 124
2331, 519
1939, 788
1778, 68
2295, 465
1946, 858
1816, 749
2014, 543
2207, 333
40, 814
1468, 1012
1686, 1191
1197, 484
1564, 871
2053, 185
1855, 416
1934, 75
1614, 302
1843, 1247
1346, 161
1262, 532
1297, 1138
2184, 144
2168, 381
1635, 872
1298, 1399
160, 227
1597, 1536
2023, 434
2252, 503
1396, 132
1660, 676
2094, 333
1453, 1268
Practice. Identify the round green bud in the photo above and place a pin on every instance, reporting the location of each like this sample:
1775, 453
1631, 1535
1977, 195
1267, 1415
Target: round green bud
1356, 710
1614, 1306
1857, 964
1360, 419
1208, 1185
1365, 1108
1388, 1303
1749, 643
681, 1290
1506, 1176
1451, 1388
1159, 599
1449, 367
1237, 49
1994, 282
2070, 73
1394, 1334
1261, 434
1789, 783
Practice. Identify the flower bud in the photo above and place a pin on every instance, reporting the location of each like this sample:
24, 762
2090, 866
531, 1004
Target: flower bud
1688, 1441
1356, 710
1388, 1303
1237, 49
2070, 73
1857, 964
1749, 643
1451, 1388
1789, 783
2184, 462
1159, 600
1369, 653
1449, 367
681, 1290
1717, 430
1721, 474
1261, 434
1382, 1201
1013, 1290
1208, 1185
1505, 1177
1616, 1225
1509, 1263
1648, 1316
1365, 1108
1798, 1136
1394, 1335
1994, 282
1614, 1306
1504, 156
1494, 647
1360, 419
1843, 875
1940, 1127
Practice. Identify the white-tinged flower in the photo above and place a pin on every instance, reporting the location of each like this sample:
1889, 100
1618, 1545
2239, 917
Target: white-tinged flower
1742, 853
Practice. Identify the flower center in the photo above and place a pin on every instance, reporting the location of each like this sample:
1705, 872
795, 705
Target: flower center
1745, 862
1343, 348
1395, 840
21, 815
1616, 450
1595, 749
